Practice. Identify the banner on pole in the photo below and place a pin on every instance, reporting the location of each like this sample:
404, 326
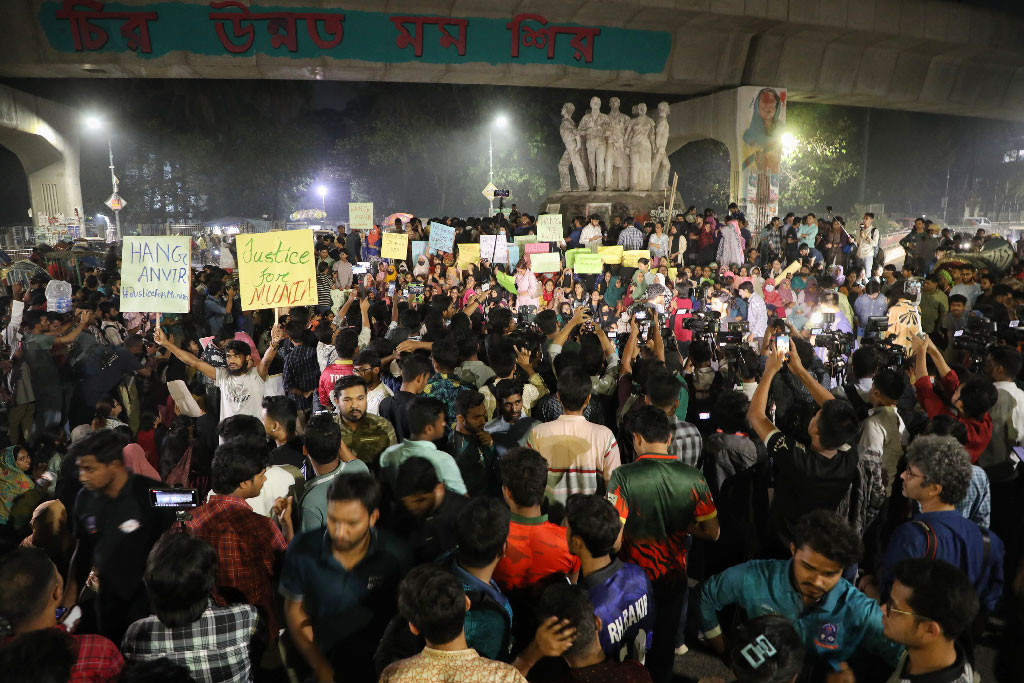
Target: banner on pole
156, 274
276, 269
395, 246
360, 215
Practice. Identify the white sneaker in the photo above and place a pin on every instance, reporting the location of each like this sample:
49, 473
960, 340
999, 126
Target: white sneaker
682, 649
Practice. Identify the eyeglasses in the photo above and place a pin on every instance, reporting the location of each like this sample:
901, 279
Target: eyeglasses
893, 610
911, 475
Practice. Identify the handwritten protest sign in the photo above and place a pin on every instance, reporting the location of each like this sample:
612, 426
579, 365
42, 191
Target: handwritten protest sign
494, 248
588, 263
442, 238
155, 274
395, 245
418, 249
549, 227
524, 239
513, 254
570, 256
360, 215
545, 263
611, 255
276, 269
468, 253
535, 248
629, 258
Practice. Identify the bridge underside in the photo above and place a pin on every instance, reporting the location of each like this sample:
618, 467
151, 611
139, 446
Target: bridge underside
922, 55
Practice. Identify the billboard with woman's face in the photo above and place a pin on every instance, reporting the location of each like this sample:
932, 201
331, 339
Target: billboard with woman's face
762, 119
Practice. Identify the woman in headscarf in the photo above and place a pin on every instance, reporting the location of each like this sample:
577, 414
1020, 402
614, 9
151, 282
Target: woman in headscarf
730, 248
14, 480
785, 290
616, 289
135, 460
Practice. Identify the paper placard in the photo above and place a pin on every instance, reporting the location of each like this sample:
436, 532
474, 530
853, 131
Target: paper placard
588, 263
672, 273
611, 255
629, 258
276, 269
395, 246
360, 215
535, 248
545, 263
570, 256
468, 253
494, 248
513, 254
442, 238
524, 239
419, 248
156, 274
549, 227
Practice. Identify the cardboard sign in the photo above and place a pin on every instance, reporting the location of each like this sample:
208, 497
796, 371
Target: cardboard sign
588, 263
524, 239
395, 245
418, 249
629, 258
494, 248
672, 273
549, 227
468, 253
276, 269
442, 238
360, 215
545, 263
611, 255
570, 256
156, 274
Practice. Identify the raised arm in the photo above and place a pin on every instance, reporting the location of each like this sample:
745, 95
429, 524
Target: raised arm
276, 335
83, 319
183, 355
820, 394
940, 363
629, 351
563, 334
757, 413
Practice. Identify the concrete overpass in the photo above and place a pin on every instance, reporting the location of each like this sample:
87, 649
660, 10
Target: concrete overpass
44, 137
924, 55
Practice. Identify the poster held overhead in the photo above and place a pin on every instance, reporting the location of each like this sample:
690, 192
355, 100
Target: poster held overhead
360, 215
276, 269
549, 227
156, 274
395, 246
442, 238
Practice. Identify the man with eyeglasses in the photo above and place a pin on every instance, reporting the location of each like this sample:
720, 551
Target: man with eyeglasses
366, 364
931, 604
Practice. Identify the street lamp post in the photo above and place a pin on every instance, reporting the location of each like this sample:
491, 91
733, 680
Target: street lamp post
500, 121
96, 123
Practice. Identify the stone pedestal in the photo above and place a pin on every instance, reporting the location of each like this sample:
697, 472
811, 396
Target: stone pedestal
641, 206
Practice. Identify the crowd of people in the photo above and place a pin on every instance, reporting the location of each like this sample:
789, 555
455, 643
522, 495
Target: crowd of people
779, 450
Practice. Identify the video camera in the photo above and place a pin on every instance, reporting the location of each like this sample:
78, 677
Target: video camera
890, 355
976, 339
177, 499
501, 193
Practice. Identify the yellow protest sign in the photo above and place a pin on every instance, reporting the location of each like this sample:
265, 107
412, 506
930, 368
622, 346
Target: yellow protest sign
395, 245
276, 269
549, 227
468, 253
360, 215
611, 255
672, 272
155, 274
589, 263
545, 263
629, 258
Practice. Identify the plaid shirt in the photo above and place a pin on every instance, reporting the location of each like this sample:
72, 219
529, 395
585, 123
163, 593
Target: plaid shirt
302, 372
771, 242
215, 648
631, 239
250, 549
97, 660
686, 443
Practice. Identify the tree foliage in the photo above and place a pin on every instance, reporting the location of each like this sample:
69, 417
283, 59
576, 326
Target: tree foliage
826, 154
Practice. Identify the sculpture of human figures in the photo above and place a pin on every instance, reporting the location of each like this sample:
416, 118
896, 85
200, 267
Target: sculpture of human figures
660, 164
593, 129
641, 147
573, 147
616, 168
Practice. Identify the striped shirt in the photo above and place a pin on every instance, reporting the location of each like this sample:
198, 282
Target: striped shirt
578, 453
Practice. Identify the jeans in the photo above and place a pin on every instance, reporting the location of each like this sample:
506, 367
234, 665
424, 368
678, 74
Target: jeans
669, 593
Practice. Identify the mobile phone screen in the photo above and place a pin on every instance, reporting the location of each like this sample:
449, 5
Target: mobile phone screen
782, 343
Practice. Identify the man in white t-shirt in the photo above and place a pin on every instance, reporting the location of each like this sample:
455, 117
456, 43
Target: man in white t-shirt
241, 382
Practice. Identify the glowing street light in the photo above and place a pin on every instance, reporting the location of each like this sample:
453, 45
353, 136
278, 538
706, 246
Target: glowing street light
789, 143
322, 191
96, 123
500, 121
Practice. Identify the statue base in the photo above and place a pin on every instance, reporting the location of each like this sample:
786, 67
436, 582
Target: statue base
651, 205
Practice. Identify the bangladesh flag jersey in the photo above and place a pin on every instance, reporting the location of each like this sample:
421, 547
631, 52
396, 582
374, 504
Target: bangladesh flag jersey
658, 498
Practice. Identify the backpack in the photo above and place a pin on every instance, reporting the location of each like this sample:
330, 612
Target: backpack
92, 357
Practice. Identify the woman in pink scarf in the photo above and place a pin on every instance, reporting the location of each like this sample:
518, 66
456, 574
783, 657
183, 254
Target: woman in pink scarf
526, 286
786, 292
135, 460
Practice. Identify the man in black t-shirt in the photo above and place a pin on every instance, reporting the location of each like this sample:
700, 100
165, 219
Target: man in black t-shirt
116, 526
806, 478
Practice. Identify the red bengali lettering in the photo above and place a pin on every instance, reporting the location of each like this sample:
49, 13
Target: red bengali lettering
525, 35
415, 39
87, 36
